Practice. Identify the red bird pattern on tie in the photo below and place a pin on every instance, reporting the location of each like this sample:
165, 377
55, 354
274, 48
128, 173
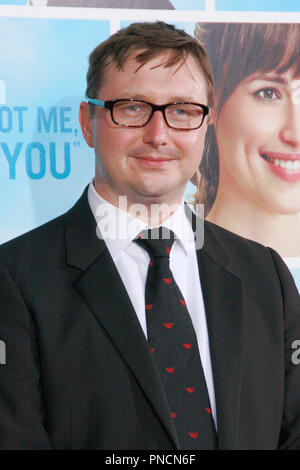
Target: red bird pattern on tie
171, 337
170, 370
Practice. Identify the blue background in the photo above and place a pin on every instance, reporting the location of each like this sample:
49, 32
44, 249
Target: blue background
188, 4
13, 2
47, 69
258, 5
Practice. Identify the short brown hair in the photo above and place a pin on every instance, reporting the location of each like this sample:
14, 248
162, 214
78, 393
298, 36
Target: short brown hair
236, 51
152, 39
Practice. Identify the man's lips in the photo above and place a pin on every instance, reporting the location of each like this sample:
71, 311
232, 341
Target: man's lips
155, 159
286, 166
151, 161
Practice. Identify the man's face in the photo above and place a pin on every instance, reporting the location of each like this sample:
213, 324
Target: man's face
151, 164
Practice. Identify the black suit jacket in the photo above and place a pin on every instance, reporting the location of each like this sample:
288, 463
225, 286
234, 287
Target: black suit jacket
79, 374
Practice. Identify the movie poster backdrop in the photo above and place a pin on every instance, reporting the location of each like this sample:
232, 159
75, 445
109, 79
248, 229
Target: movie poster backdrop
44, 161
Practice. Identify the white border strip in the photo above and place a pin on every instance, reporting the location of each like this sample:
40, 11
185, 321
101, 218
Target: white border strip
115, 15
114, 25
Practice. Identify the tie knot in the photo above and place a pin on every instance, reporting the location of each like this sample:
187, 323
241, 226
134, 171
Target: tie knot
157, 241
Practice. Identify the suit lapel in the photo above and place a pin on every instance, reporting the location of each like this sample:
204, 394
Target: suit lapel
101, 287
222, 298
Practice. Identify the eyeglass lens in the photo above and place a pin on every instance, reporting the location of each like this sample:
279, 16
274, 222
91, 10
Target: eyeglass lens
136, 113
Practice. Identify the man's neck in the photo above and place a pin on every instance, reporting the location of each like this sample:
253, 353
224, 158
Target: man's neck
153, 212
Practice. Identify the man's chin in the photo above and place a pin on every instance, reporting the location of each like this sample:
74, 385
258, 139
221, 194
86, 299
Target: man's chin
158, 195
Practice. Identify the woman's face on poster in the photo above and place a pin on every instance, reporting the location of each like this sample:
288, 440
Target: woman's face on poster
258, 136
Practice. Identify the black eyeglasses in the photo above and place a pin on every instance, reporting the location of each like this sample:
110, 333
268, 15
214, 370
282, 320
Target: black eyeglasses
137, 113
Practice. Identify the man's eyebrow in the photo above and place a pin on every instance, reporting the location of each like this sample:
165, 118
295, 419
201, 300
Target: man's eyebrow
171, 99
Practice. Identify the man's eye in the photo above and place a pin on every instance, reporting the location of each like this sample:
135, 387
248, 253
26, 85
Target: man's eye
269, 94
128, 108
133, 108
180, 112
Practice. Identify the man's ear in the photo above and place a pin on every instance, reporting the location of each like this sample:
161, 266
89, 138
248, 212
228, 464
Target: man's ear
86, 123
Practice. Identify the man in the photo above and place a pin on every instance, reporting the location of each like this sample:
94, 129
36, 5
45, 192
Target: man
76, 309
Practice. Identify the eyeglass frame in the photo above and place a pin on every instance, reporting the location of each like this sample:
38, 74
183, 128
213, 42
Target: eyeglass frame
109, 104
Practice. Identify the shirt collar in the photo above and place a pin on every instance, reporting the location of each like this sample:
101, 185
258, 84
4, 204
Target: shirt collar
118, 228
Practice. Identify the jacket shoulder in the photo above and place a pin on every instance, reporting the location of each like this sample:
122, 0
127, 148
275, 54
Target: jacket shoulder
241, 255
231, 241
38, 243
46, 236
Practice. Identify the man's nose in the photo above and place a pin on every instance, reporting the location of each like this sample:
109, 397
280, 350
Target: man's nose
156, 132
290, 131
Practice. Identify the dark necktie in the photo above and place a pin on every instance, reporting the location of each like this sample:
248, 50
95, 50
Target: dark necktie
173, 343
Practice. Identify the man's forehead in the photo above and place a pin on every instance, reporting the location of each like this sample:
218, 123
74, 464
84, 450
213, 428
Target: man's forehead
155, 76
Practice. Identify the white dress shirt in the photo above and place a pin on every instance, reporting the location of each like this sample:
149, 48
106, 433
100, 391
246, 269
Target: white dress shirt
118, 229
